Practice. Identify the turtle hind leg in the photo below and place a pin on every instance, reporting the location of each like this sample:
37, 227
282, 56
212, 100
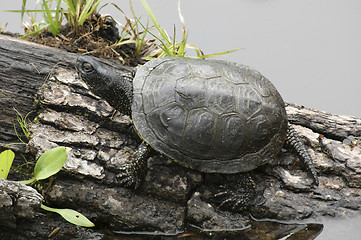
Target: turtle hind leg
294, 142
238, 194
131, 175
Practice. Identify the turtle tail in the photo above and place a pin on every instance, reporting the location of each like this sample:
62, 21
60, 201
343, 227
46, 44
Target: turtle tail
294, 142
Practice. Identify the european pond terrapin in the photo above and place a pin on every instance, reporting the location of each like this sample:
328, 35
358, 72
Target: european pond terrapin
209, 115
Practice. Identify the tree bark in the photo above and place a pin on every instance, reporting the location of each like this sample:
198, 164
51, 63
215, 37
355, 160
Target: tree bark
43, 79
24, 68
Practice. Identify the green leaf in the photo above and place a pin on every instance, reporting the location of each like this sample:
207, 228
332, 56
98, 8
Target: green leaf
6, 160
71, 216
50, 162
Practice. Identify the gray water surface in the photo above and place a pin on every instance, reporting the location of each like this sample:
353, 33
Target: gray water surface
310, 49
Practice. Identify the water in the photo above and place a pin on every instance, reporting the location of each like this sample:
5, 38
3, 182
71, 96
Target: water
334, 229
310, 49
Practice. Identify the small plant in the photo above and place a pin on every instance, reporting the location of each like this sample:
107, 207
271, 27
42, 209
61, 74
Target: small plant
52, 18
22, 121
134, 32
54, 22
169, 46
76, 13
47, 165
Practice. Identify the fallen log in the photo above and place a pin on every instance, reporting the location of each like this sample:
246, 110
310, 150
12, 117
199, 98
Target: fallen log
172, 197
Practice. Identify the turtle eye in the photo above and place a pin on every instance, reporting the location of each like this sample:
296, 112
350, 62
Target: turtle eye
87, 67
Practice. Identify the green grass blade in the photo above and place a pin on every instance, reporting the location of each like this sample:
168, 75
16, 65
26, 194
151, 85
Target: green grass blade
141, 41
50, 162
23, 10
88, 9
49, 19
162, 45
35, 32
219, 53
57, 12
161, 31
6, 160
71, 7
54, 23
85, 11
71, 216
38, 11
183, 45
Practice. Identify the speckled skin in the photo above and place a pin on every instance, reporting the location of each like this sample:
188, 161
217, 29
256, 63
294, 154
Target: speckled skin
294, 143
258, 109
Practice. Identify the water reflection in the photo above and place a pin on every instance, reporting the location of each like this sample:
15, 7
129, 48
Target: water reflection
331, 229
265, 230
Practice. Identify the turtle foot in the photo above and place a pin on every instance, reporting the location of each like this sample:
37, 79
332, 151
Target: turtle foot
128, 177
294, 143
132, 174
239, 194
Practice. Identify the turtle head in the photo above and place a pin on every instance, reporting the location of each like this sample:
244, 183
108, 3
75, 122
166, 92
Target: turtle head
94, 73
106, 82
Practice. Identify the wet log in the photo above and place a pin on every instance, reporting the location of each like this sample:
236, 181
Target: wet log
172, 197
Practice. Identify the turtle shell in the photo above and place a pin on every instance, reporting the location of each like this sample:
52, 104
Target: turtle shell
209, 115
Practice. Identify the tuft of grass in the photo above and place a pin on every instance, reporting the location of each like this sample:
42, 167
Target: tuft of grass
133, 32
54, 22
168, 46
76, 13
23, 122
52, 19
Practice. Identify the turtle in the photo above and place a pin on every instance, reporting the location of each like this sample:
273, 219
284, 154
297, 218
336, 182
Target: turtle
213, 116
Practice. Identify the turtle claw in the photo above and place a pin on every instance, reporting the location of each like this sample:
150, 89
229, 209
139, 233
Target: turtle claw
233, 202
238, 194
127, 178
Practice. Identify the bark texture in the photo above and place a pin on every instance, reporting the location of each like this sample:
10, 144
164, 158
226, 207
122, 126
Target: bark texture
171, 197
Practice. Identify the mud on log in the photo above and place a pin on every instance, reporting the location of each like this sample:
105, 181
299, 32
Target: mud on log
172, 196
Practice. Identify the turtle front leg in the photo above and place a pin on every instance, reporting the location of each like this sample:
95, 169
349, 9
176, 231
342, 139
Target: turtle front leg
294, 142
131, 175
